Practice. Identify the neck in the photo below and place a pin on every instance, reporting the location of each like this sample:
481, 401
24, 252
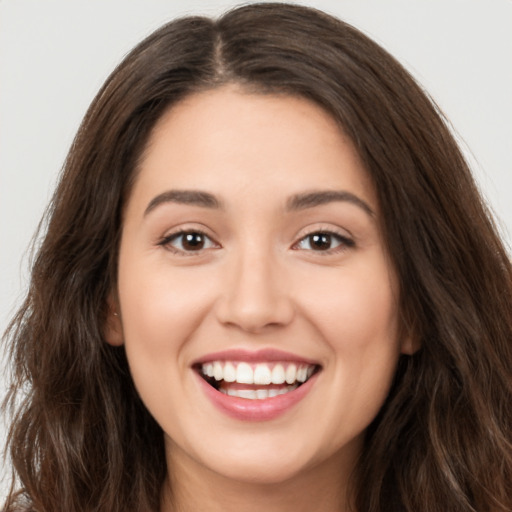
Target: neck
323, 488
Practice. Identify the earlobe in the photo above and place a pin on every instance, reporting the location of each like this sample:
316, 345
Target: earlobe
410, 345
113, 327
410, 341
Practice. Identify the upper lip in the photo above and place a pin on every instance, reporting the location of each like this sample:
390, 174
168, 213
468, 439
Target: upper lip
261, 355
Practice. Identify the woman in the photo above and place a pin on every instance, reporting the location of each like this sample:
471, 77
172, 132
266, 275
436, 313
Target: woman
268, 282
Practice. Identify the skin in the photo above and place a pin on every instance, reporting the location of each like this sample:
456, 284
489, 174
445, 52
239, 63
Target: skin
257, 282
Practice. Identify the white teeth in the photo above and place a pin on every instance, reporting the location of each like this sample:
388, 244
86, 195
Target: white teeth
302, 374
208, 369
244, 374
291, 374
261, 394
257, 394
247, 393
217, 371
262, 374
278, 375
229, 373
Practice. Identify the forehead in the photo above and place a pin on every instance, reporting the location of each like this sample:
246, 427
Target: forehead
227, 139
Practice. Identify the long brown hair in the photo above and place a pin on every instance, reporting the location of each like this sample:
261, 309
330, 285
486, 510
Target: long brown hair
81, 440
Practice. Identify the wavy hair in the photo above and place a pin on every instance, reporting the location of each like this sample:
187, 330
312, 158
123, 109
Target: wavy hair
80, 438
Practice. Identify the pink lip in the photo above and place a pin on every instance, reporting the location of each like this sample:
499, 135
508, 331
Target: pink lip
263, 355
255, 410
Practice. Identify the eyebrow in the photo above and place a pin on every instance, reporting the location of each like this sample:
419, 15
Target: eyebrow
321, 197
192, 197
294, 203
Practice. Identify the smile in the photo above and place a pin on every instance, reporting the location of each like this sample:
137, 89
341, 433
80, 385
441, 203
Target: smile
255, 386
256, 381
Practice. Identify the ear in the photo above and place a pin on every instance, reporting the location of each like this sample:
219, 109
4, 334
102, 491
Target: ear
410, 341
113, 327
409, 345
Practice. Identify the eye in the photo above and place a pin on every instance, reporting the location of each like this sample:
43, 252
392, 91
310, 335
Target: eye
188, 242
324, 241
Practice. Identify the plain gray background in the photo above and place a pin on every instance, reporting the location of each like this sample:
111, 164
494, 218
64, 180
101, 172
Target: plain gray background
55, 54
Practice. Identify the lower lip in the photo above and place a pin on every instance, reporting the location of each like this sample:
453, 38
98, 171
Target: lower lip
256, 410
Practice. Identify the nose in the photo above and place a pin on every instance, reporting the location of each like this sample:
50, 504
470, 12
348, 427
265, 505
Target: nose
256, 297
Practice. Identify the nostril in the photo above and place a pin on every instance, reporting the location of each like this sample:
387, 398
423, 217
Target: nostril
255, 304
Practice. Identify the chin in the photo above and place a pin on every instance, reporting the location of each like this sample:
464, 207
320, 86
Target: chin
249, 459
258, 471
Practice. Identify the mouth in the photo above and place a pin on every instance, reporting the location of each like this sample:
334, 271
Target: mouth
255, 380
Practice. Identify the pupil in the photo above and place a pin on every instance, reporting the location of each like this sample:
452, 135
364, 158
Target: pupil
193, 241
321, 241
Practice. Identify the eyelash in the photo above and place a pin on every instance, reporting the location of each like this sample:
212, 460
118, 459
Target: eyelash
344, 242
167, 241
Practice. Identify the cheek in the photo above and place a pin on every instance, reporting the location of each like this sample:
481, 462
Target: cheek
355, 314
355, 308
357, 320
161, 308
156, 300
160, 312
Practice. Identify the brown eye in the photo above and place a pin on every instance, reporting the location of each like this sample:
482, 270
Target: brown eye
324, 241
320, 241
193, 241
188, 242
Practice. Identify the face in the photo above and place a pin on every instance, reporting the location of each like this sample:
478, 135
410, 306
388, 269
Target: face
256, 301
